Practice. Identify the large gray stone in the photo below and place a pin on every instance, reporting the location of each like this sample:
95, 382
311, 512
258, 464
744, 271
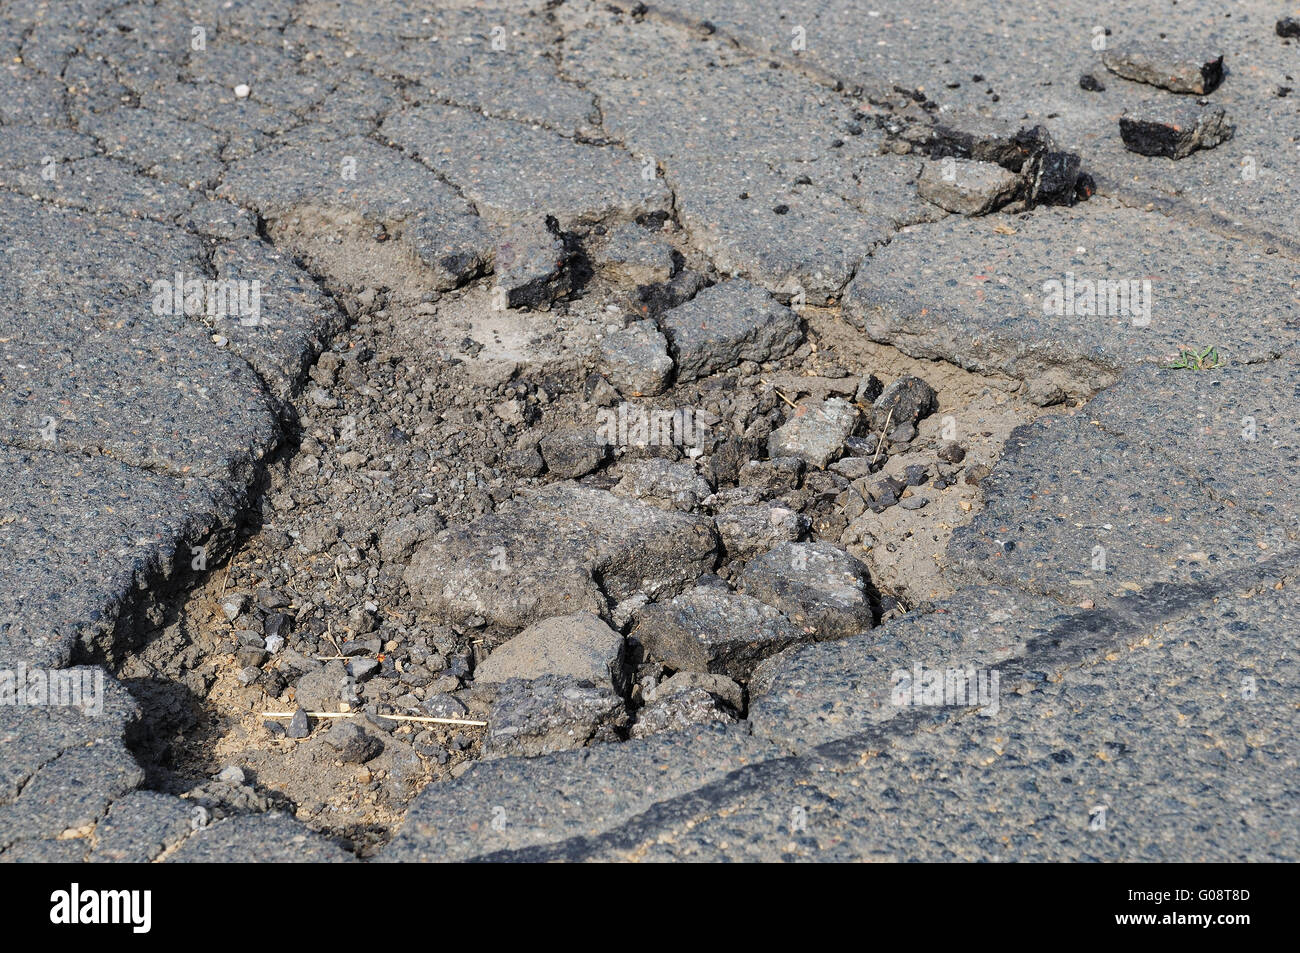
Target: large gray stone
635, 359
710, 629
578, 646
815, 433
818, 586
541, 556
552, 713
731, 322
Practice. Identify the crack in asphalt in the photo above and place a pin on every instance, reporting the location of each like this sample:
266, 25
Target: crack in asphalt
1073, 644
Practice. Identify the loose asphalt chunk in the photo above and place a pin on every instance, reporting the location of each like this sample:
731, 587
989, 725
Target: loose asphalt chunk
815, 432
635, 359
538, 716
578, 646
818, 586
1179, 67
966, 187
541, 555
728, 323
711, 629
1175, 131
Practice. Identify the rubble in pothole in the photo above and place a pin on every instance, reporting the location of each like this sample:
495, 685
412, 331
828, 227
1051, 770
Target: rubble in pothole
490, 537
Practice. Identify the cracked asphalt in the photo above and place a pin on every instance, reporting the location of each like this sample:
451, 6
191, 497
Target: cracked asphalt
1126, 579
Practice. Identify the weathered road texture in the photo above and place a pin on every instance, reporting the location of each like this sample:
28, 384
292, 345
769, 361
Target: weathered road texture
1131, 578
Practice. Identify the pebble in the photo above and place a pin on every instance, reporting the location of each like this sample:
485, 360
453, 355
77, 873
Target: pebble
299, 727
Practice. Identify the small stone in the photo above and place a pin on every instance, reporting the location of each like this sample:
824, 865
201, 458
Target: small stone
233, 604
242, 91
869, 388
298, 724
322, 689
444, 705
1057, 180
271, 598
1288, 26
276, 624
913, 503
854, 468
250, 656
951, 452
907, 400
903, 434
916, 474
525, 461
599, 391
362, 668
318, 536
1090, 83
247, 676
573, 453
231, 775
352, 743
322, 398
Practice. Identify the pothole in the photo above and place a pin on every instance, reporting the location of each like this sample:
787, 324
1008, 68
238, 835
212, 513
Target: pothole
424, 419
